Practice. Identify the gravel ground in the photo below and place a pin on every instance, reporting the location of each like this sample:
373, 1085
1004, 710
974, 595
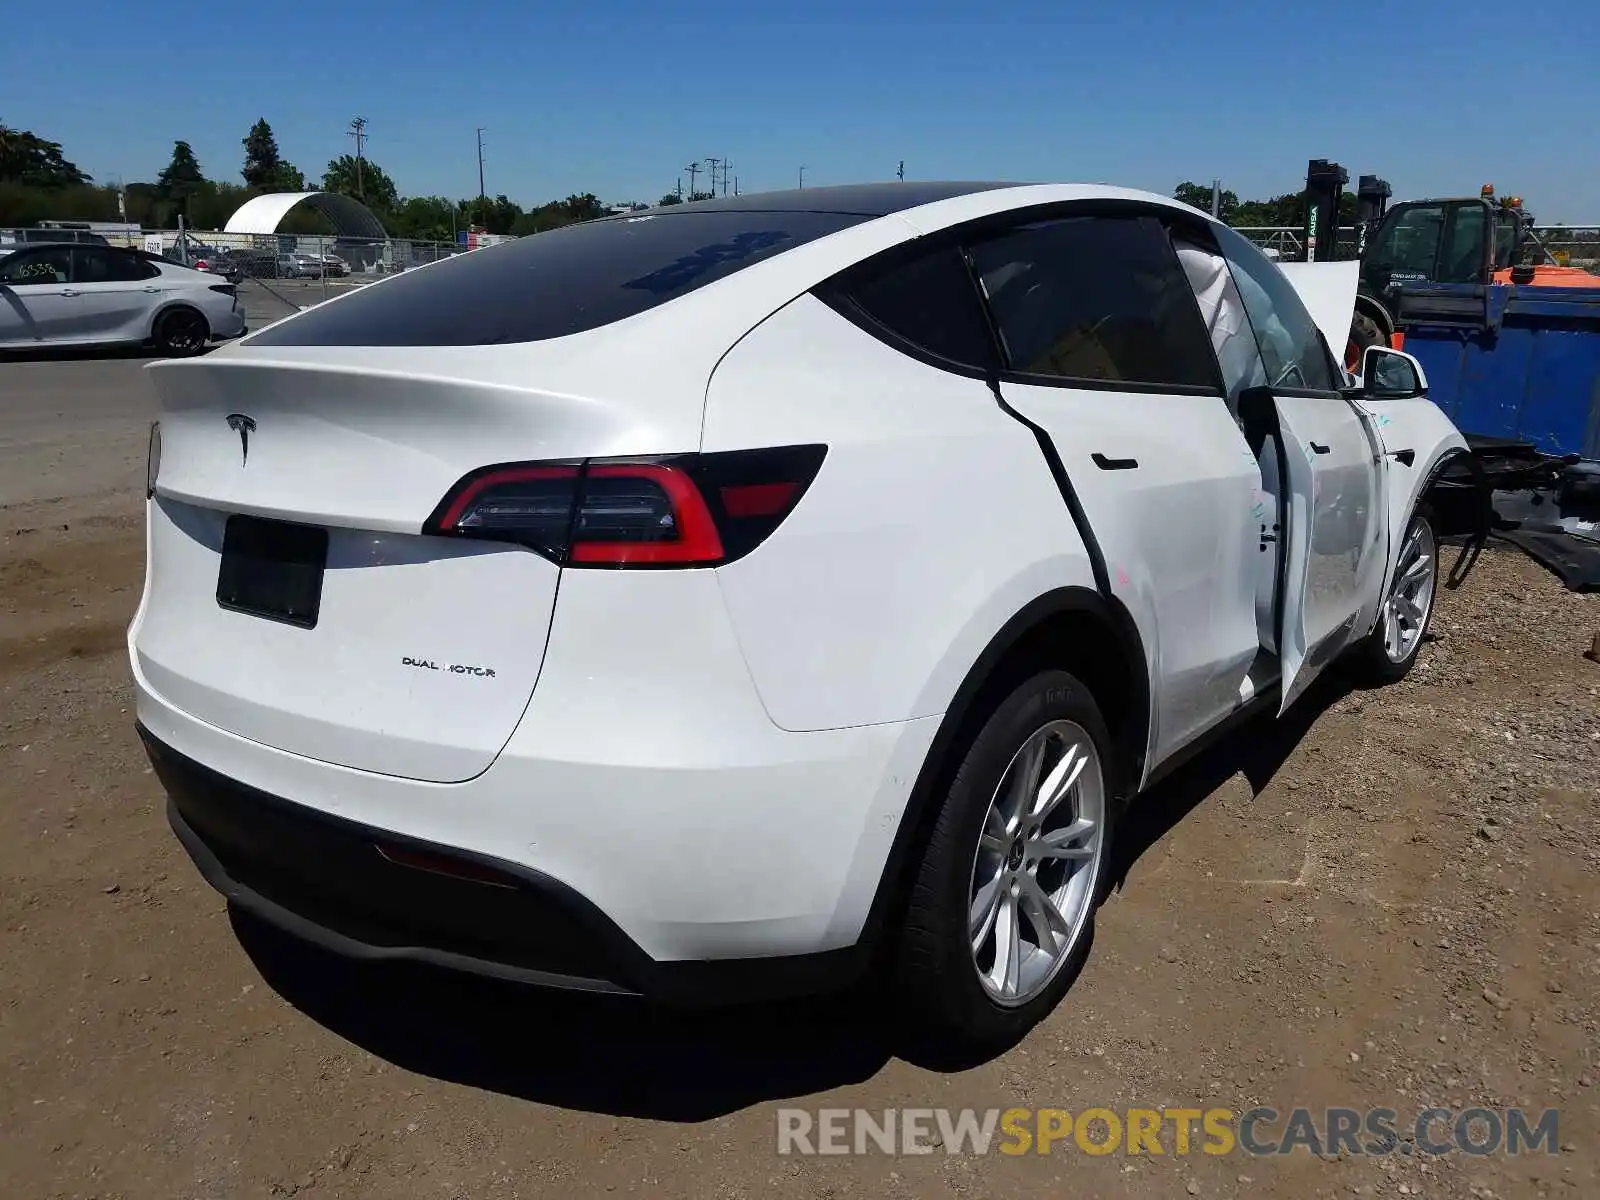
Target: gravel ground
1385, 899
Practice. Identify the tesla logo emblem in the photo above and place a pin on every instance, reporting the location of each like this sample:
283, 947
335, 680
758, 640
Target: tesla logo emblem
244, 426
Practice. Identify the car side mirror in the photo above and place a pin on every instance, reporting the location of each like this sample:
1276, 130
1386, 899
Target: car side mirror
1392, 375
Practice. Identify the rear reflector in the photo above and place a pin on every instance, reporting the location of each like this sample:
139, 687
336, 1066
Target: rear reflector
678, 511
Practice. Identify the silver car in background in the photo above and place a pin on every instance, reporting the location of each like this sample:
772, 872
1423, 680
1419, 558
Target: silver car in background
83, 295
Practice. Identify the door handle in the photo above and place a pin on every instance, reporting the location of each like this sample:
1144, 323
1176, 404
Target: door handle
68, 292
152, 289
1318, 448
1114, 464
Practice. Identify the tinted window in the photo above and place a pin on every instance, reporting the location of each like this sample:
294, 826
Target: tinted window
1409, 245
1095, 298
96, 264
556, 283
1462, 261
925, 297
53, 264
1291, 346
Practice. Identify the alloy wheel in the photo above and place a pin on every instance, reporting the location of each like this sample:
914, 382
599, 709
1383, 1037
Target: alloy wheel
1037, 863
183, 331
1410, 599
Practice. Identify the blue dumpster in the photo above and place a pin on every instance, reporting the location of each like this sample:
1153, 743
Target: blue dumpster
1510, 361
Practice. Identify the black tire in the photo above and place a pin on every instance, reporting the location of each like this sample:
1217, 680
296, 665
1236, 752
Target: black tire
181, 331
936, 977
1369, 661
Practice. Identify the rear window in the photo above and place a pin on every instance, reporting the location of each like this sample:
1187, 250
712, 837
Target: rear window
556, 283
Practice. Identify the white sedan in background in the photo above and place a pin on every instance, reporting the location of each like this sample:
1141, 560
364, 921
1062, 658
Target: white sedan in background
79, 295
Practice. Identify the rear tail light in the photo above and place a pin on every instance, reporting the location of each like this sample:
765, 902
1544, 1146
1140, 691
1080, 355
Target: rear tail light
688, 510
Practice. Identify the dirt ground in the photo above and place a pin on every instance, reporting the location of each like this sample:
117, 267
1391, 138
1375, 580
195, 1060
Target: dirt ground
1387, 899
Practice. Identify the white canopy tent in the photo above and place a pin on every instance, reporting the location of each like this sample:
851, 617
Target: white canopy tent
350, 218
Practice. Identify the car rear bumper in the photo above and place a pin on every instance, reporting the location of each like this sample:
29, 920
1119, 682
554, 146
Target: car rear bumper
226, 326
706, 852
370, 894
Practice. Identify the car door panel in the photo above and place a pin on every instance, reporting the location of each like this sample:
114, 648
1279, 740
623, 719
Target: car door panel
1344, 554
1334, 526
1106, 353
38, 302
1167, 485
116, 296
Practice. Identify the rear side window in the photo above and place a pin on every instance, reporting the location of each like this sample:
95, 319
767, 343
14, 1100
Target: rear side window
1096, 299
100, 264
922, 296
556, 283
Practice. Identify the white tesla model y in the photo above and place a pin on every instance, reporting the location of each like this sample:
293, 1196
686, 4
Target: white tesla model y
703, 602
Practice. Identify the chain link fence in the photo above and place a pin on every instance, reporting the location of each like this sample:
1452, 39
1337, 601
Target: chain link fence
280, 274
1569, 245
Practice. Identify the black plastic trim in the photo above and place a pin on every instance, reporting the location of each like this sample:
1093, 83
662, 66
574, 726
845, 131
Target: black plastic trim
1112, 385
624, 968
1114, 464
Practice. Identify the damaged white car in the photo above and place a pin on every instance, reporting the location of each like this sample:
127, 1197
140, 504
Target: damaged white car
707, 602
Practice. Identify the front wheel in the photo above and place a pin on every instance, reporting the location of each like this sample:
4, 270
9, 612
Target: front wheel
181, 331
1388, 653
1003, 901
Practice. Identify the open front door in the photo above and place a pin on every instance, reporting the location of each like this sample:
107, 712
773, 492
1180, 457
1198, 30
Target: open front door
1298, 502
1333, 548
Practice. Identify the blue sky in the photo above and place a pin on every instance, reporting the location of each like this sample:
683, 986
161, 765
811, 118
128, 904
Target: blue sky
618, 96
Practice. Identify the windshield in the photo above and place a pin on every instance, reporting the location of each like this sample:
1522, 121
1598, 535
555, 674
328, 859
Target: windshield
553, 284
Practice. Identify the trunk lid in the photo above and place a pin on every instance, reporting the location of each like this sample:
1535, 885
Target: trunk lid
424, 651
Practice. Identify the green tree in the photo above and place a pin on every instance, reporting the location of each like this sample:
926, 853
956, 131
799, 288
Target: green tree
670, 198
29, 160
586, 207
426, 219
262, 163
181, 179
498, 215
366, 181
1199, 195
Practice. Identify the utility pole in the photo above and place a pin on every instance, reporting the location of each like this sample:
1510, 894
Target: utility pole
680, 187
483, 199
712, 163
358, 130
902, 171
735, 185
726, 167
802, 178
693, 169
1216, 197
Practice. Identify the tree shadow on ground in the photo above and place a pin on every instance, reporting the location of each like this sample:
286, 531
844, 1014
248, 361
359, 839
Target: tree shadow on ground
624, 1057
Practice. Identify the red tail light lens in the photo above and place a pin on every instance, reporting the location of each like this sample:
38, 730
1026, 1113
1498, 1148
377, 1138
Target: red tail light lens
685, 510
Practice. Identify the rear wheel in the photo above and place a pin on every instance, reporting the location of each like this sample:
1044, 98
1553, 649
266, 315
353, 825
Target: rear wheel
1003, 902
181, 331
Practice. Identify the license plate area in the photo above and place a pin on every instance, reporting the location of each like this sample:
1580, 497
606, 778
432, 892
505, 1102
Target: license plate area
272, 569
